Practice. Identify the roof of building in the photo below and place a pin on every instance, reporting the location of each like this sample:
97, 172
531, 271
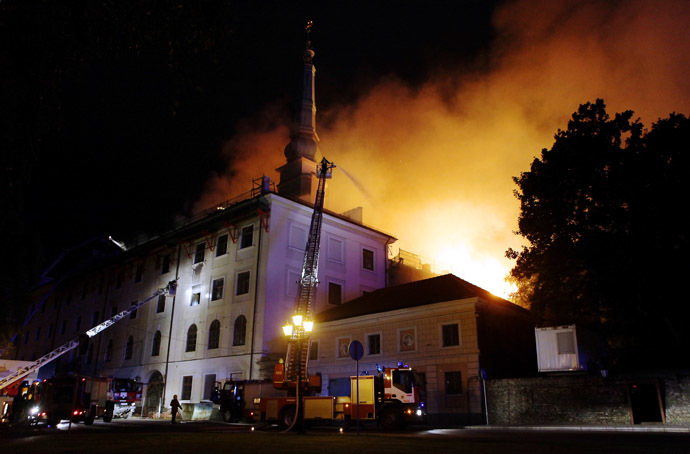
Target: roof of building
419, 293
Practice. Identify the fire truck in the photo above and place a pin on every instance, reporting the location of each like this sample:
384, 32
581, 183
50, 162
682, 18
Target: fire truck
83, 399
393, 398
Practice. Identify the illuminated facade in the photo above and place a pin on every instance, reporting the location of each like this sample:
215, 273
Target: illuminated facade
445, 328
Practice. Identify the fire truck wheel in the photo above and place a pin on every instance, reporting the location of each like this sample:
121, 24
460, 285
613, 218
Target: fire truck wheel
391, 418
227, 416
89, 419
109, 408
286, 416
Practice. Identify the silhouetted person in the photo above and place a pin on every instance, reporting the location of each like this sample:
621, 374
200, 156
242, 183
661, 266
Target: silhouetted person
174, 407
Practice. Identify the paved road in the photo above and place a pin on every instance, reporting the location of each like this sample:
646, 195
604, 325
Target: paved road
577, 439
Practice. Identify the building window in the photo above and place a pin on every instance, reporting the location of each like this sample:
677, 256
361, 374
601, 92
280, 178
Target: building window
199, 252
247, 237
138, 272
89, 354
217, 289
374, 344
129, 347
26, 337
77, 325
196, 295
314, 351
113, 311
186, 387
165, 264
450, 335
191, 339
156, 347
38, 332
214, 335
108, 351
368, 259
240, 331
453, 382
565, 342
160, 307
94, 318
243, 283
222, 245
63, 327
50, 331
209, 384
133, 314
335, 293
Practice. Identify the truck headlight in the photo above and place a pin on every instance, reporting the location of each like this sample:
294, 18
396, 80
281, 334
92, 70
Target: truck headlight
34, 410
419, 412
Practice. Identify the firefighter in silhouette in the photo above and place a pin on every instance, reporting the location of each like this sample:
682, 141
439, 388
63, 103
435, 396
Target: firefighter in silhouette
174, 407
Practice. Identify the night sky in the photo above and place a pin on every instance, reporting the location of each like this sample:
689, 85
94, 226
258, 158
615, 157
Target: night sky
117, 116
114, 112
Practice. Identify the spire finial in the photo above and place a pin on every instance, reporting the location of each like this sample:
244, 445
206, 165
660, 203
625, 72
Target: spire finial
308, 52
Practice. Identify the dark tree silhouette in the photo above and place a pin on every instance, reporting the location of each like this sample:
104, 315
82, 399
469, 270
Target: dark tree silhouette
602, 212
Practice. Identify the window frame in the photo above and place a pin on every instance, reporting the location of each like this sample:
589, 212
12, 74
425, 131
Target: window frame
380, 344
365, 262
449, 325
213, 335
156, 344
214, 297
160, 305
240, 289
331, 295
187, 384
191, 338
199, 253
222, 245
239, 331
129, 348
244, 237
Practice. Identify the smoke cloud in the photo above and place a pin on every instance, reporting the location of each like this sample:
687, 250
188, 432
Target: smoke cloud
434, 165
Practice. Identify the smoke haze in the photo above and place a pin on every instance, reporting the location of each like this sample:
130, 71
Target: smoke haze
436, 162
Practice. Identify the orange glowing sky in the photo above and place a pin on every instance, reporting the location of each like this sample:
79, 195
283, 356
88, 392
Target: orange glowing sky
434, 166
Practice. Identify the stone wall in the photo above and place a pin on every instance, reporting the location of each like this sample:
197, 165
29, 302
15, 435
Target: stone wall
580, 399
677, 400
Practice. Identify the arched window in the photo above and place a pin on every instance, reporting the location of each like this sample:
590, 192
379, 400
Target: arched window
108, 351
156, 348
191, 339
240, 330
129, 347
214, 335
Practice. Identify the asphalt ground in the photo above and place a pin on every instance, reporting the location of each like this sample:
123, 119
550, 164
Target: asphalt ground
140, 435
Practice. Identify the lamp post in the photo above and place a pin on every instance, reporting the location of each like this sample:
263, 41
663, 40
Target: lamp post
297, 331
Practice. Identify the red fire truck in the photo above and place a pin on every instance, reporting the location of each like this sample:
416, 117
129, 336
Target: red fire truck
83, 399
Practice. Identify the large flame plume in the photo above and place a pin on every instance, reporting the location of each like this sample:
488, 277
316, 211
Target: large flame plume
433, 165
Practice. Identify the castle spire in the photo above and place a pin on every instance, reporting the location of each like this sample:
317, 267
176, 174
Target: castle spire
297, 176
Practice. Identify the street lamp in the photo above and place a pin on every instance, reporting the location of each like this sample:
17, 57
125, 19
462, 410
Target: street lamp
298, 330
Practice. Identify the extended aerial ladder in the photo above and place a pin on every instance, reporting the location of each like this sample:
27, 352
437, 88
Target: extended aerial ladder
169, 289
297, 355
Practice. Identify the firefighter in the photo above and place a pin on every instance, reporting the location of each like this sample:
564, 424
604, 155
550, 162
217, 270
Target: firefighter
174, 407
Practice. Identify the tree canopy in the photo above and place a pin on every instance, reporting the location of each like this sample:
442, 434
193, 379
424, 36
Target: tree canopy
602, 212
